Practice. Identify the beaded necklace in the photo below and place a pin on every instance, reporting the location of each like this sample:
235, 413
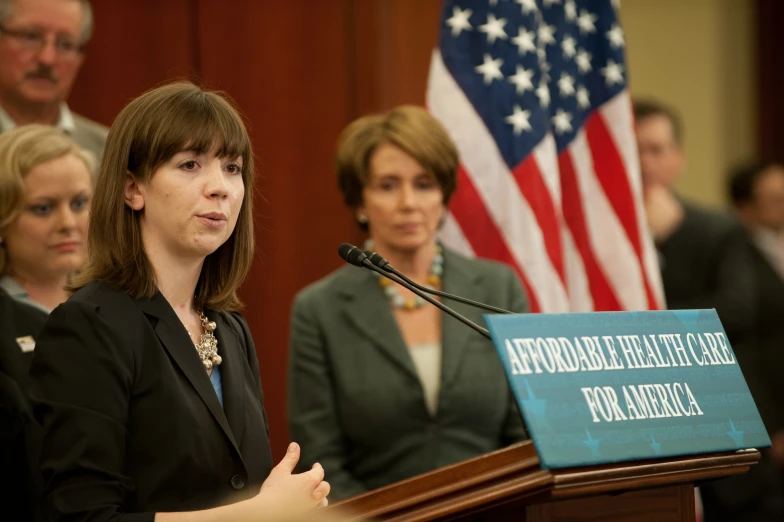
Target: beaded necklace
207, 347
412, 303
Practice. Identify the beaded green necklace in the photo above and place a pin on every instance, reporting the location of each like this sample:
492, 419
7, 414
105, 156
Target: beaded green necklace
390, 287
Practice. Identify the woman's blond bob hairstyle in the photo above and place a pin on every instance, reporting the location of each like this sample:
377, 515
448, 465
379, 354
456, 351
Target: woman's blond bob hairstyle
21, 150
408, 127
148, 132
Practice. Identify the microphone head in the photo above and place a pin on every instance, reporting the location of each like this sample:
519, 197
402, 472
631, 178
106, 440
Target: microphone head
377, 260
344, 249
351, 254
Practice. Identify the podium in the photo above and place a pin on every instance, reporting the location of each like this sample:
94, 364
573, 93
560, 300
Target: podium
509, 485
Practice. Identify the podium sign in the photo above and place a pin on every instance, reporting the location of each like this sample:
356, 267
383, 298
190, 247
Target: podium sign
604, 387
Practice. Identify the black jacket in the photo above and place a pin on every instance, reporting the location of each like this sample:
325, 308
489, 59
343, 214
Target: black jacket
132, 425
19, 435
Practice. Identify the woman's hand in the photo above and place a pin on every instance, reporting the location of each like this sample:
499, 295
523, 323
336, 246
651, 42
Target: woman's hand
285, 495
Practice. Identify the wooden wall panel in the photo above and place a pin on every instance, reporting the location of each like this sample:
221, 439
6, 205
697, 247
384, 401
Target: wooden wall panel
136, 45
393, 45
770, 71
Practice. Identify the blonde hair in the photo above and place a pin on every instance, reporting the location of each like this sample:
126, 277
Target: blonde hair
408, 127
21, 150
148, 132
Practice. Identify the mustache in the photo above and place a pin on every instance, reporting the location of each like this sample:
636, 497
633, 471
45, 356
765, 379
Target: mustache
43, 72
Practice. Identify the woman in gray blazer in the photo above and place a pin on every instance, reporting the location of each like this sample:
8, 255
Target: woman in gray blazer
382, 386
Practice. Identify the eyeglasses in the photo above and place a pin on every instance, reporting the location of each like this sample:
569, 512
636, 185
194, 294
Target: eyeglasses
33, 40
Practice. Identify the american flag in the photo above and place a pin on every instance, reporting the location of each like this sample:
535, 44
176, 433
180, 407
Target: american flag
534, 94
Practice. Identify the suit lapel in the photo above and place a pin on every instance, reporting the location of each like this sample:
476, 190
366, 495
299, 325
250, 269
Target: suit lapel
175, 340
231, 368
366, 307
458, 279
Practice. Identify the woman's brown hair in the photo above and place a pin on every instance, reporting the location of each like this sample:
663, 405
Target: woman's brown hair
148, 132
408, 127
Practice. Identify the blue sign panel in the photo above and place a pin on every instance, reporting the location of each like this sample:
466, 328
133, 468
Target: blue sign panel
604, 387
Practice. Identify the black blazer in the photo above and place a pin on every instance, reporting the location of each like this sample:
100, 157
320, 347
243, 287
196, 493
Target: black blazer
19, 436
131, 421
758, 494
767, 350
705, 263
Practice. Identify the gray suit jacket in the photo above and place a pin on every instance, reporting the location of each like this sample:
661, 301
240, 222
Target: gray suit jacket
90, 135
355, 403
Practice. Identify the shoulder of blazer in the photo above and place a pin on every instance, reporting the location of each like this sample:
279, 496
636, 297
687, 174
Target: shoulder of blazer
492, 282
344, 280
341, 281
14, 312
237, 322
89, 127
116, 309
104, 296
708, 223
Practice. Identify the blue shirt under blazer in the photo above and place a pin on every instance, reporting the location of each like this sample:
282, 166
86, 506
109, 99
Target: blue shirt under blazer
356, 404
132, 424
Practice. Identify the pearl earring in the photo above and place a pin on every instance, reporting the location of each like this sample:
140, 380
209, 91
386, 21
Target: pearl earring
362, 218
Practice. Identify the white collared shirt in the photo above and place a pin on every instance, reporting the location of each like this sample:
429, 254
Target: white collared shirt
771, 244
64, 122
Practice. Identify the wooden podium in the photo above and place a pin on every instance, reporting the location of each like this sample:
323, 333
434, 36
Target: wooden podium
509, 485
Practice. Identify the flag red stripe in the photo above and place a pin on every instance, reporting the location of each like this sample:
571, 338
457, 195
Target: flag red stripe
574, 215
613, 178
481, 231
532, 186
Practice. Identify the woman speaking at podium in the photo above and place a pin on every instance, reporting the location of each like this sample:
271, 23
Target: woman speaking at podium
383, 386
146, 380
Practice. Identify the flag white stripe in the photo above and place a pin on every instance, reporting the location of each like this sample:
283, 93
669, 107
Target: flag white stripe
608, 239
496, 186
617, 114
578, 291
546, 156
580, 298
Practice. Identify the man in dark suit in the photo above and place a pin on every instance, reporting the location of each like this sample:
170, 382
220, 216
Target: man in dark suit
41, 51
702, 255
705, 263
19, 482
757, 193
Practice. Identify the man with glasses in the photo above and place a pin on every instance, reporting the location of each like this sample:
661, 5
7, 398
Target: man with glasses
41, 50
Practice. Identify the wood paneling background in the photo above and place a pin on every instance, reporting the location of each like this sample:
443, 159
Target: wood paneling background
770, 78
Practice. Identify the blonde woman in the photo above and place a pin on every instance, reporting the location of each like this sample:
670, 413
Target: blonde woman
45, 189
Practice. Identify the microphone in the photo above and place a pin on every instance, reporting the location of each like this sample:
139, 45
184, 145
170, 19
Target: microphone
355, 256
383, 264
